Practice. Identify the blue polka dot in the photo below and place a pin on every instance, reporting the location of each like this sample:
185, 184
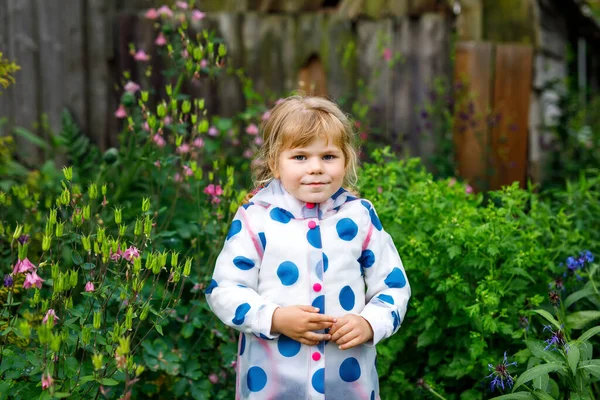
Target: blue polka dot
288, 347
350, 370
395, 279
373, 395
347, 298
314, 237
367, 259
243, 344
338, 193
287, 273
396, 319
319, 302
211, 287
261, 336
281, 215
321, 346
243, 263
374, 218
325, 262
257, 379
386, 298
263, 239
346, 229
319, 269
247, 205
318, 380
234, 229
240, 313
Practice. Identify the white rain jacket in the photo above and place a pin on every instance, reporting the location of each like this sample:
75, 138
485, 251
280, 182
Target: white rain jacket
336, 256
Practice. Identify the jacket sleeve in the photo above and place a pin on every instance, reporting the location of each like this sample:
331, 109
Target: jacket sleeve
232, 294
388, 289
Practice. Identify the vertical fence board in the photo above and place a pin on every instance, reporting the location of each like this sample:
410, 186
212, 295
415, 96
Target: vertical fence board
6, 97
98, 77
512, 92
341, 78
52, 53
24, 48
74, 59
473, 68
404, 74
231, 99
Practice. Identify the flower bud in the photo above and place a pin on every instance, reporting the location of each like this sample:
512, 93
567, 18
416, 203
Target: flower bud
22, 251
144, 96
203, 126
161, 110
48, 228
222, 50
46, 242
176, 276
60, 226
86, 335
55, 341
69, 303
52, 216
97, 319
194, 119
145, 204
163, 258
156, 266
104, 190
118, 215
139, 370
68, 173
137, 265
18, 231
137, 228
122, 230
87, 212
144, 313
54, 271
173, 104
129, 318
97, 361
25, 329
86, 242
148, 226
65, 197
123, 348
186, 106
96, 248
116, 331
92, 191
174, 257
36, 298
44, 334
73, 278
188, 267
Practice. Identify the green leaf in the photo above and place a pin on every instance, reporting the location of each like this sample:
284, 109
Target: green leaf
77, 260
591, 366
61, 395
541, 382
88, 266
575, 296
108, 382
31, 137
454, 251
573, 357
86, 378
159, 329
540, 395
536, 371
537, 349
589, 333
549, 317
579, 319
515, 396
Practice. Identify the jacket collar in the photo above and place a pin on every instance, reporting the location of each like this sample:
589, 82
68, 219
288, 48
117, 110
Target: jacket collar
275, 195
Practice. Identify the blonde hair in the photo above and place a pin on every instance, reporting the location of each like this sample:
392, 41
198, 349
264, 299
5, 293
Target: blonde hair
295, 122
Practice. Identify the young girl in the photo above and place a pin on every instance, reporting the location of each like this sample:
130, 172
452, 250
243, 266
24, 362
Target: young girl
307, 273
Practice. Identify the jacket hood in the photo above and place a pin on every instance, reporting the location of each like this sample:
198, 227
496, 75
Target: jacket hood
275, 195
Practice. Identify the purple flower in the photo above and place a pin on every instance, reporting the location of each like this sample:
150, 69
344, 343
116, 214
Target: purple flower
23, 239
587, 256
8, 281
554, 298
501, 376
557, 339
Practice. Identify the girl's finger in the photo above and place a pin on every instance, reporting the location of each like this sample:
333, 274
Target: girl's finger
347, 337
343, 330
353, 343
337, 326
316, 337
315, 326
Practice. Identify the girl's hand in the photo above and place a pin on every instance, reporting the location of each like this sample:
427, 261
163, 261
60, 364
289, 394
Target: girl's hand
351, 330
299, 322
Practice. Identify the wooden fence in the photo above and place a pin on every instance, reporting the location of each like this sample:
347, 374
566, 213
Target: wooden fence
74, 56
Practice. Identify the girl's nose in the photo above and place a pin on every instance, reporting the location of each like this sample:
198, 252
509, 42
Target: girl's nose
315, 167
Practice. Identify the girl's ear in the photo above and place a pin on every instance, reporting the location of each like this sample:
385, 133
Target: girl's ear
273, 169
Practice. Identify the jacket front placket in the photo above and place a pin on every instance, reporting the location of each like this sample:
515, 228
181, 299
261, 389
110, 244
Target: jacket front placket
316, 269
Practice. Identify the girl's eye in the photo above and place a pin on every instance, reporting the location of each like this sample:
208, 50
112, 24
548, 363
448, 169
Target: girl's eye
300, 158
329, 157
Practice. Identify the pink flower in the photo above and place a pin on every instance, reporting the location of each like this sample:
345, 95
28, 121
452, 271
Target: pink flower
216, 200
198, 143
178, 177
280, 100
235, 142
131, 253
167, 120
197, 15
468, 189
184, 53
387, 54
266, 115
248, 153
182, 4
89, 286
203, 63
212, 131
258, 141
121, 113
50, 313
187, 171
141, 56
146, 127
23, 266
213, 378
161, 40
32, 279
452, 182
252, 129
159, 141
213, 190
151, 13
379, 189
233, 364
363, 135
183, 149
116, 256
157, 164
47, 381
132, 87
165, 11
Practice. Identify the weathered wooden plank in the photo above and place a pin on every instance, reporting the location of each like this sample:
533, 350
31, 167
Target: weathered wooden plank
98, 90
547, 70
512, 93
231, 99
52, 53
473, 72
373, 37
309, 43
24, 50
74, 58
341, 74
403, 119
6, 97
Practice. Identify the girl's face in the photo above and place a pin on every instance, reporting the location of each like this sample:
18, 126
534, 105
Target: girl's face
312, 173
